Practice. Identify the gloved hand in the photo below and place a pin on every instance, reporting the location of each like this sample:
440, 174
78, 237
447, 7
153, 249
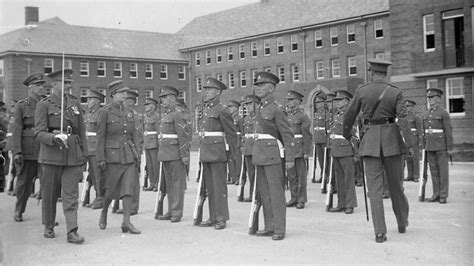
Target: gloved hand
60, 140
102, 165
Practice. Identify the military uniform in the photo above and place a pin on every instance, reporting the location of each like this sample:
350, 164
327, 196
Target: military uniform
300, 126
62, 166
382, 146
319, 134
343, 152
273, 133
26, 145
3, 142
416, 128
438, 140
235, 164
150, 144
174, 147
217, 129
248, 139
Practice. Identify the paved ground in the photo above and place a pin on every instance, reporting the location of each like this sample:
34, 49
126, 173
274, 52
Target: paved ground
437, 234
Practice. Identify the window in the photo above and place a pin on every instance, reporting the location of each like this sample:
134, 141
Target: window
104, 92
280, 46
148, 71
351, 37
320, 70
198, 84
136, 98
1, 67
295, 71
117, 69
230, 55
163, 71
378, 28
352, 66
218, 55
294, 42
453, 37
281, 73
231, 80
334, 38
67, 64
254, 49
219, 77
133, 70
182, 72
336, 68
83, 92
455, 96
318, 39
101, 68
182, 95
208, 57
428, 32
149, 93
242, 51
197, 59
47, 90
84, 68
266, 47
254, 75
48, 65
432, 83
243, 79
380, 55
267, 69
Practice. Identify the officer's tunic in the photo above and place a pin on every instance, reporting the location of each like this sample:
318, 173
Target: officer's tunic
343, 152
413, 163
319, 136
271, 120
62, 168
23, 142
216, 123
300, 126
150, 144
438, 139
382, 147
235, 164
174, 146
95, 173
248, 139
118, 144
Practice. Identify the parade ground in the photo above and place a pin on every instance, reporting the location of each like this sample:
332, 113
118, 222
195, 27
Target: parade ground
437, 233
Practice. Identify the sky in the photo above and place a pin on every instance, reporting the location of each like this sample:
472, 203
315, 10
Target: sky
165, 16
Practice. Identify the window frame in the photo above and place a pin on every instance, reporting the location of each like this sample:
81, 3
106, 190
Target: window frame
118, 69
316, 39
349, 33
320, 69
280, 44
266, 45
218, 55
459, 96
86, 70
231, 79
333, 68
243, 78
104, 92
376, 28
198, 84
67, 62
99, 68
197, 59
293, 41
281, 76
182, 72
220, 77
208, 57
133, 70
353, 66
164, 72
83, 92
149, 93
2, 67
295, 75
230, 54
426, 33
45, 65
242, 51
149, 70
334, 37
253, 49
254, 75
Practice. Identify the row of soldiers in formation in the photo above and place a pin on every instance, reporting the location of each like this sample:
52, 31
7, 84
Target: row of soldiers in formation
273, 142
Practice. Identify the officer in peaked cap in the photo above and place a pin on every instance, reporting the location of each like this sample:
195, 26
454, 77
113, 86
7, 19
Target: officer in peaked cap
438, 143
273, 134
319, 133
118, 154
300, 125
151, 121
416, 128
217, 131
25, 146
173, 153
151, 101
382, 145
235, 164
343, 152
94, 99
62, 154
329, 119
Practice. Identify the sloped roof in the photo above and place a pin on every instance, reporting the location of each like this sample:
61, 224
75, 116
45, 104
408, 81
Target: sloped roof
56, 36
273, 16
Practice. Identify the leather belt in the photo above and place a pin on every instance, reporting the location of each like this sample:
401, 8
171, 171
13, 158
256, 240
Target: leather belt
379, 121
91, 134
167, 136
337, 136
259, 136
249, 136
298, 136
9, 134
319, 128
413, 129
238, 133
431, 131
212, 134
149, 133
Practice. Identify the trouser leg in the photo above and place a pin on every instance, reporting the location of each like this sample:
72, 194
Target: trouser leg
443, 165
274, 177
177, 180
301, 172
24, 183
340, 183
50, 187
347, 164
435, 173
69, 183
250, 173
374, 174
394, 171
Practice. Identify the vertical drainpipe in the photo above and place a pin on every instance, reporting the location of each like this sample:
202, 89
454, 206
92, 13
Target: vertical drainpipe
28, 66
364, 25
303, 34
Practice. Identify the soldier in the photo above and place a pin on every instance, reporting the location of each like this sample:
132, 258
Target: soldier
235, 164
300, 124
382, 146
182, 108
273, 134
62, 153
217, 130
438, 142
3, 144
344, 154
330, 117
150, 136
173, 153
118, 146
416, 127
9, 146
94, 99
24, 146
319, 133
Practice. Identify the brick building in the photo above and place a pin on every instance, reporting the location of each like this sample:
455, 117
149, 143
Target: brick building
144, 60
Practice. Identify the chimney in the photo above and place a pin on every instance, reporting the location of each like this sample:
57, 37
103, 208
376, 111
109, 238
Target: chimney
31, 15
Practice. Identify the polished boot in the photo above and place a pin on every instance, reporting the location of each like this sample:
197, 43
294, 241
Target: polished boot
291, 203
48, 233
220, 225
18, 217
207, 223
300, 205
433, 199
103, 220
74, 238
130, 228
443, 200
349, 210
264, 233
380, 238
337, 209
278, 236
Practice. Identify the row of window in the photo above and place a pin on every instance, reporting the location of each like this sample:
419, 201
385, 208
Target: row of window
149, 93
280, 44
101, 70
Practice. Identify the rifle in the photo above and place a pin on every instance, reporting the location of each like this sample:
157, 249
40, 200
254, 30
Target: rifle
329, 197
240, 188
200, 199
364, 182
160, 195
314, 164
254, 208
424, 166
323, 181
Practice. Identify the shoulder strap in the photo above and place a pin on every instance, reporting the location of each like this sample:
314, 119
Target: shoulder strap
371, 114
